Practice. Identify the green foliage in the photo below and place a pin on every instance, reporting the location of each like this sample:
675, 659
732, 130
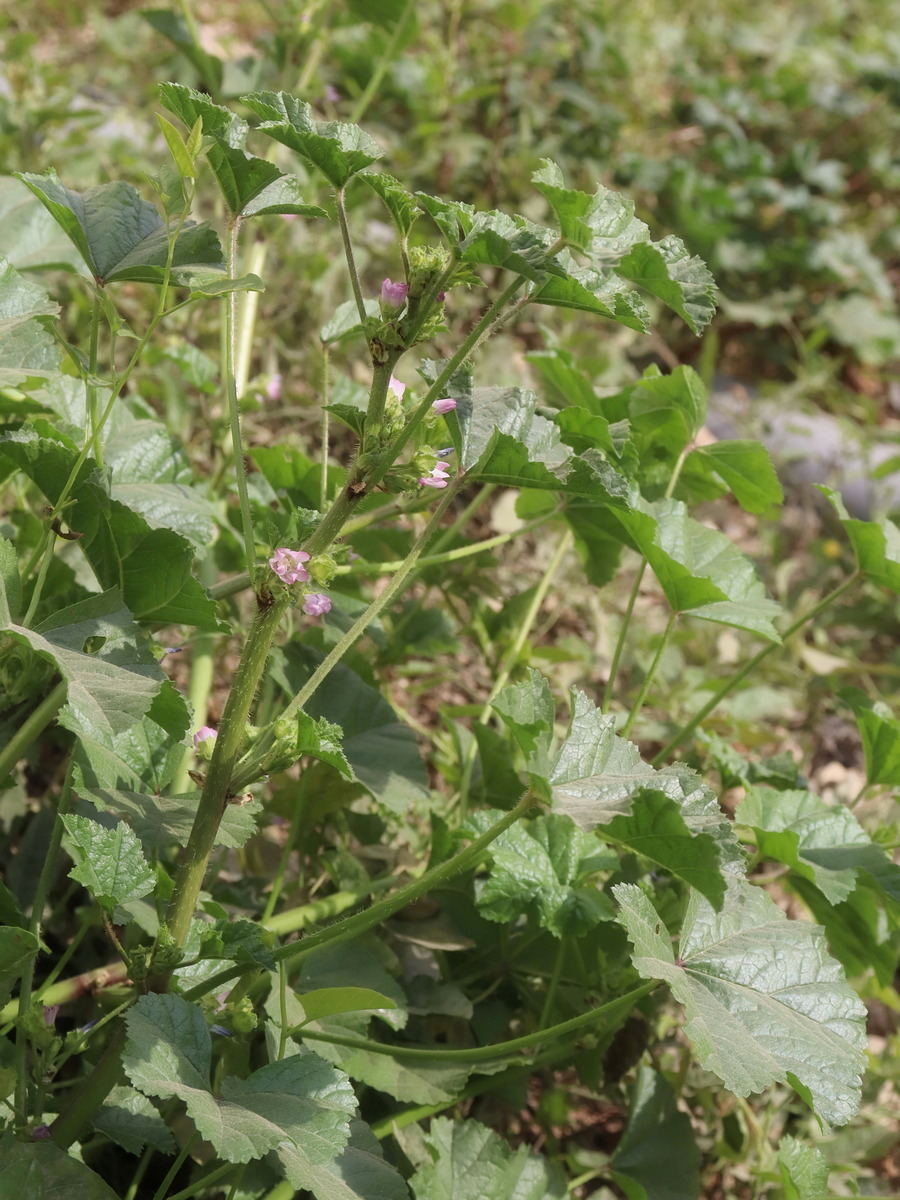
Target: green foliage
389, 891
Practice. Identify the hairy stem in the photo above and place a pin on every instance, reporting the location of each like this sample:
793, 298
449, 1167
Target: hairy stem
651, 673
348, 254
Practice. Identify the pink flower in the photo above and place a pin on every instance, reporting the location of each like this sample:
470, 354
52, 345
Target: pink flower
203, 734
316, 605
288, 565
40, 1133
437, 477
332, 95
50, 1011
393, 295
273, 388
397, 387
444, 406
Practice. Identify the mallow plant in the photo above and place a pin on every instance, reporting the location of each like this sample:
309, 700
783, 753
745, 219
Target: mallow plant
250, 947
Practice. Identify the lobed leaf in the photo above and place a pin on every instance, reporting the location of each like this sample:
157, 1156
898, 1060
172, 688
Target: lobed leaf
471, 1162
764, 1002
336, 150
875, 543
109, 862
41, 1171
666, 270
824, 843
744, 468
880, 732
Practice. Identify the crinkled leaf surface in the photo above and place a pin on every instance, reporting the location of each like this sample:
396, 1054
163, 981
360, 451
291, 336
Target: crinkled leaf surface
544, 863
596, 774
17, 948
132, 1122
108, 690
301, 1103
529, 711
495, 239
700, 570
668, 271
586, 289
27, 348
667, 411
400, 203
764, 1002
471, 1162
188, 105
152, 566
322, 740
254, 186
240, 941
875, 543
120, 235
331, 1001
41, 1171
358, 1173
825, 843
880, 731
109, 862
603, 224
337, 150
657, 1157
804, 1170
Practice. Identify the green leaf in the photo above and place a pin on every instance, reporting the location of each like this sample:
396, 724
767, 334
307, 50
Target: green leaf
471, 1162
299, 1107
880, 732
804, 1170
119, 235
596, 774
764, 1002
529, 711
857, 929
744, 468
657, 1157
358, 1173
9, 578
173, 26
336, 150
453, 218
31, 239
875, 543
700, 570
283, 195
153, 566
241, 941
41, 1171
505, 441
322, 740
603, 223
822, 842
601, 293
656, 829
355, 966
17, 948
543, 863
383, 753
183, 161
210, 283
496, 240
666, 270
108, 690
346, 323
27, 348
254, 186
667, 411
109, 862
328, 1002
190, 106
400, 203
133, 1123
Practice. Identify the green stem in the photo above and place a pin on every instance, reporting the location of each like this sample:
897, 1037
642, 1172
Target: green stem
501, 1050
326, 415
553, 984
42, 891
200, 1185
510, 659
651, 673
361, 922
623, 634
248, 772
385, 61
316, 911
381, 380
460, 552
480, 332
79, 1111
215, 792
91, 384
248, 308
160, 1193
31, 729
739, 676
229, 358
348, 254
